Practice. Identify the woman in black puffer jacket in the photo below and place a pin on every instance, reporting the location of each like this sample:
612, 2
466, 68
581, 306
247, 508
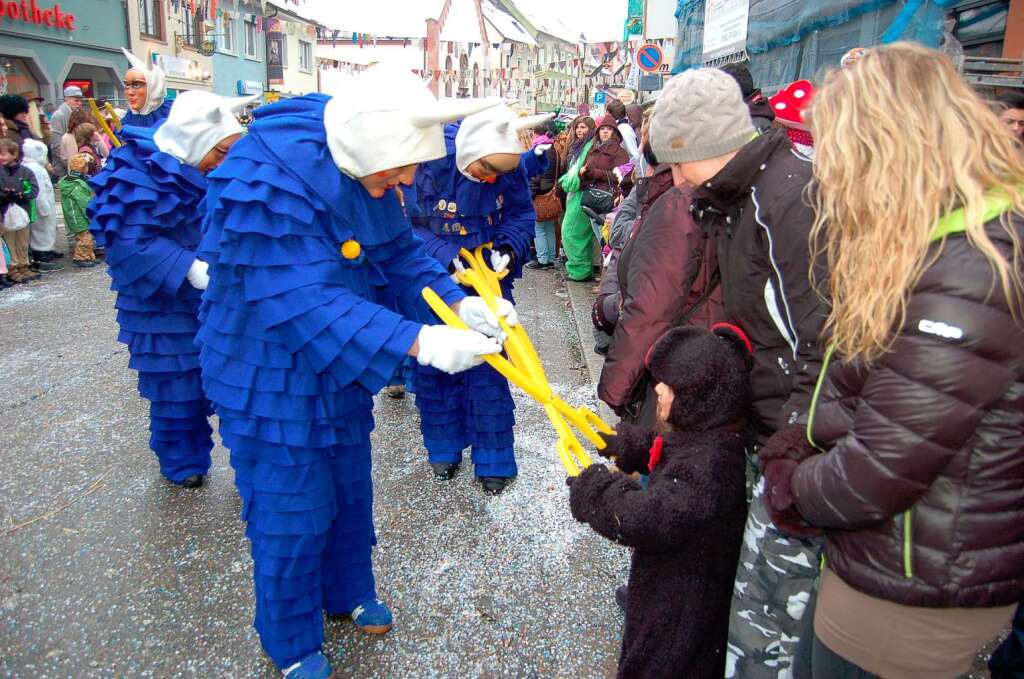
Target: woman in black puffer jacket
917, 478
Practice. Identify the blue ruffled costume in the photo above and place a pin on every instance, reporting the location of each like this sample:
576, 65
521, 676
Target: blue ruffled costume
295, 340
147, 213
449, 211
153, 119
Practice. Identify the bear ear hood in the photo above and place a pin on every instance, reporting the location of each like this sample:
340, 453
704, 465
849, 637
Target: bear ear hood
198, 121
34, 150
493, 130
156, 82
708, 372
385, 117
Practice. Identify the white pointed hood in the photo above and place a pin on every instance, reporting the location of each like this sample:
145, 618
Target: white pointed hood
385, 117
156, 82
198, 121
494, 130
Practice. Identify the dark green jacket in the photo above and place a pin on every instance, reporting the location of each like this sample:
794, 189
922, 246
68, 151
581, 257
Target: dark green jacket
75, 195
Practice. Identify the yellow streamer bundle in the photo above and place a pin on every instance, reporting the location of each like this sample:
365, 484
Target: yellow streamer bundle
523, 367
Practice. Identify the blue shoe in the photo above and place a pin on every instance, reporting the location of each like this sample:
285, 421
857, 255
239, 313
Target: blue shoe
372, 617
313, 666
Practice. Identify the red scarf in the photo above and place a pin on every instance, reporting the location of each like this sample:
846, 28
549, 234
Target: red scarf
655, 454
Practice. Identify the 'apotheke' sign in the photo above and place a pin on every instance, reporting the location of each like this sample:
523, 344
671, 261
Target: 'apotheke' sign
27, 11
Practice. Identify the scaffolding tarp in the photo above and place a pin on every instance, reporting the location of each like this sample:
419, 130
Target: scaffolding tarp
792, 39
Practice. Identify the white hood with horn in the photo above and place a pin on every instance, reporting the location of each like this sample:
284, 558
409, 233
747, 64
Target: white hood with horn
385, 117
199, 121
156, 82
494, 130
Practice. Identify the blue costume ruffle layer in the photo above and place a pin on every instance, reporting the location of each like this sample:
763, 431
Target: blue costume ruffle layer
475, 408
450, 211
295, 340
152, 120
147, 214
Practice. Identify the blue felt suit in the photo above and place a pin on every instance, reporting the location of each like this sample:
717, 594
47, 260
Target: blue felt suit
449, 211
147, 214
295, 340
153, 119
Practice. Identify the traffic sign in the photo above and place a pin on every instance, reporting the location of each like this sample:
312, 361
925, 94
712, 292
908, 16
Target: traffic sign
649, 57
600, 97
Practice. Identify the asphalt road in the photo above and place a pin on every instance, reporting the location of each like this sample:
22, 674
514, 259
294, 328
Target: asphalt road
108, 570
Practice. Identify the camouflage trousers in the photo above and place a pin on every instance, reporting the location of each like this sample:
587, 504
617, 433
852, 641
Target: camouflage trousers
775, 581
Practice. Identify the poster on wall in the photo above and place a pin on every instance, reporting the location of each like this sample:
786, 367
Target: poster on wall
275, 52
725, 27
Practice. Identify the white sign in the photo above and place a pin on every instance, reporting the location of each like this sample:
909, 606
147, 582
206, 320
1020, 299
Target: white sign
725, 27
176, 67
250, 87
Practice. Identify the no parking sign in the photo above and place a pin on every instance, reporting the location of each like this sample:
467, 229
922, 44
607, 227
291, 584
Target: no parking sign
649, 58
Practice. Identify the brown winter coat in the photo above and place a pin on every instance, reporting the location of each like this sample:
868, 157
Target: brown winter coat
602, 159
922, 487
666, 251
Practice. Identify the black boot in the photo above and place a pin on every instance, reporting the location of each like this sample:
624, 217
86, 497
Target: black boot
445, 471
192, 481
494, 485
621, 594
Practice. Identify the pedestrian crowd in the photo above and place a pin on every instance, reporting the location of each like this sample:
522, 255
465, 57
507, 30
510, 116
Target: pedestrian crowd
857, 247
47, 160
810, 306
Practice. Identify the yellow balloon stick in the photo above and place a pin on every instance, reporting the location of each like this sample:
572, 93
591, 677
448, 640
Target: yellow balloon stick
102, 122
523, 367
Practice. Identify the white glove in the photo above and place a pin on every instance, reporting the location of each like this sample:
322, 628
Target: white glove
475, 313
499, 262
197, 274
618, 174
541, 149
452, 350
459, 268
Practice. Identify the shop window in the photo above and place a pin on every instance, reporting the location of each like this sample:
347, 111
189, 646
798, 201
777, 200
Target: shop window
251, 49
226, 34
151, 13
193, 26
447, 77
981, 25
305, 56
16, 77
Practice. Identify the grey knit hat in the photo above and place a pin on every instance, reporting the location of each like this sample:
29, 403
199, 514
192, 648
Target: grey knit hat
699, 115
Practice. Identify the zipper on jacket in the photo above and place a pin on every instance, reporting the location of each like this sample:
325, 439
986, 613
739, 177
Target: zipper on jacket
817, 394
908, 543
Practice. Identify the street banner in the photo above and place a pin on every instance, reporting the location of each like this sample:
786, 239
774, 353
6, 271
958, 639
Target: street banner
275, 52
725, 27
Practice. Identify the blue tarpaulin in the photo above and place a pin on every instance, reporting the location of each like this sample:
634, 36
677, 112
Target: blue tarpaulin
792, 39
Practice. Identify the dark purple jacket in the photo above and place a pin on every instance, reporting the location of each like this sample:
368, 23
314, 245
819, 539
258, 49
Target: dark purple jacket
666, 251
922, 488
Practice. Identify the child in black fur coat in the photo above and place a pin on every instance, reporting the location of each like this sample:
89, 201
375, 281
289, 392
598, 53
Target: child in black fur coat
687, 525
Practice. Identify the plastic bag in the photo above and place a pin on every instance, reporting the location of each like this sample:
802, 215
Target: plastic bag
15, 218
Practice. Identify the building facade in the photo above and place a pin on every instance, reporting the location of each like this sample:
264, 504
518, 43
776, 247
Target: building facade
239, 67
290, 51
45, 46
177, 39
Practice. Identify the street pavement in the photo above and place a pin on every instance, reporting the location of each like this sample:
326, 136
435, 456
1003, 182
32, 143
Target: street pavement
110, 571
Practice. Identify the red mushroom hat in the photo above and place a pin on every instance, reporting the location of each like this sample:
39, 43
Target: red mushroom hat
790, 103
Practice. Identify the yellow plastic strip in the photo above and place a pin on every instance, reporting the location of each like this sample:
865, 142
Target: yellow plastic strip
103, 123
523, 366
